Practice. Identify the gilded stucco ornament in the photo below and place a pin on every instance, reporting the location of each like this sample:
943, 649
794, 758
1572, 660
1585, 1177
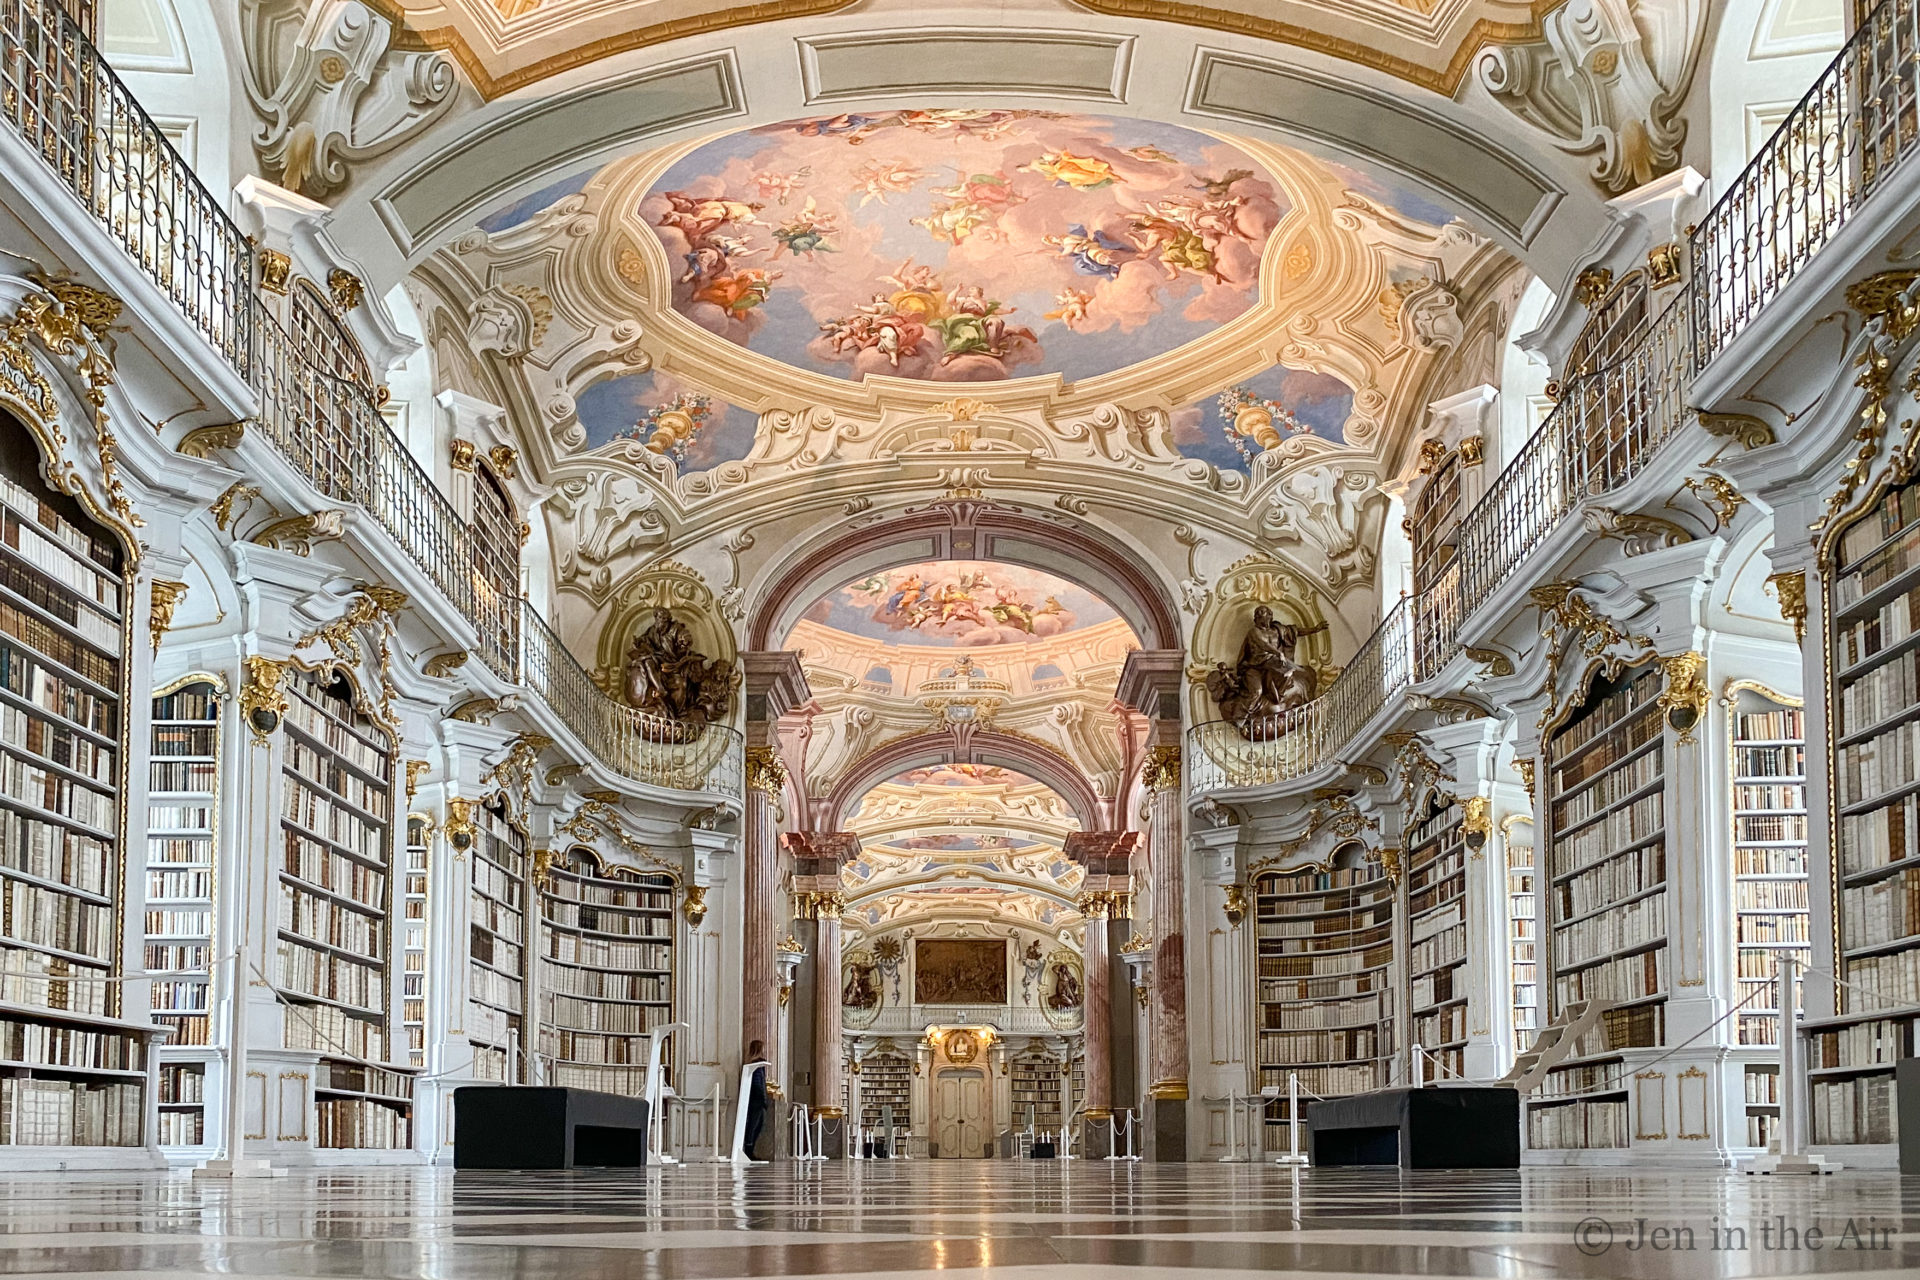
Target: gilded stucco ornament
165, 599
1637, 534
1235, 905
766, 772
1743, 429
1561, 609
415, 768
1791, 590
1524, 765
204, 442
1686, 695
299, 534
694, 908
263, 702
1161, 771
1890, 302
276, 270
1492, 662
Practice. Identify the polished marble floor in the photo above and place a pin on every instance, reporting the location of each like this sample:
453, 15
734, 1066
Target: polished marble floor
1038, 1220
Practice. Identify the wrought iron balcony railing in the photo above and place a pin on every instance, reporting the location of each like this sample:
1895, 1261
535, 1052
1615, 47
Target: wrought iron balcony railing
1835, 150
60, 97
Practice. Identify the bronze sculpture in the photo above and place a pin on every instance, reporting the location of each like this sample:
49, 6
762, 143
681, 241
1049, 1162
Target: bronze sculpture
666, 677
1066, 988
1266, 680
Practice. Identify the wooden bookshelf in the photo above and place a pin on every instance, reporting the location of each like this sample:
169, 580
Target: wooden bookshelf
1325, 954
497, 947
607, 971
1873, 654
413, 940
182, 824
1437, 939
72, 1069
1523, 942
1034, 1085
336, 910
886, 1080
182, 1104
1606, 901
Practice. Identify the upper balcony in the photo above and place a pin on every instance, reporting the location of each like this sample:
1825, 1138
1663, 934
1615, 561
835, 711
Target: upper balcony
59, 97
1827, 168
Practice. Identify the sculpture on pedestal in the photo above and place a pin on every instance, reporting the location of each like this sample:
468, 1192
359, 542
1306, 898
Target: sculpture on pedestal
1266, 679
665, 677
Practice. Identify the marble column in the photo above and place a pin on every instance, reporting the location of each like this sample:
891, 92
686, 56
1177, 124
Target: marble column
829, 1052
1166, 848
773, 686
1095, 963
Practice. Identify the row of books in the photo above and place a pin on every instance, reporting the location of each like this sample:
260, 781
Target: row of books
577, 1014
329, 1030
360, 1124
182, 777
1881, 911
355, 746
1879, 569
177, 957
1866, 637
1572, 770
569, 980
1337, 923
599, 920
1280, 1049
1641, 821
30, 735
1771, 760
1880, 694
1857, 1110
28, 501
320, 919
1609, 789
1578, 1126
490, 986
60, 645
51, 982
1637, 694
497, 918
1295, 1016
176, 995
490, 879
1750, 797
1319, 990
1434, 988
1877, 1040
193, 883
1622, 978
1753, 962
52, 1045
1363, 935
1340, 902
606, 953
630, 1081
1434, 825
39, 549
493, 1026
608, 894
186, 723
1321, 881
1289, 966
56, 853
179, 922
1770, 895
1610, 880
1770, 928
24, 675
1898, 510
1881, 764
305, 971
1762, 1088
179, 851
1443, 1026
57, 794
350, 827
179, 816
1880, 836
181, 1128
1639, 1027
325, 868
359, 1078
1632, 925
1781, 860
1448, 946
1443, 888
44, 917
1325, 1081
1888, 979
584, 1046
490, 948
63, 1113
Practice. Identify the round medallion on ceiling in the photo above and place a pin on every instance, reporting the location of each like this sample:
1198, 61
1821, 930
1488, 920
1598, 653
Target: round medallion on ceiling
964, 245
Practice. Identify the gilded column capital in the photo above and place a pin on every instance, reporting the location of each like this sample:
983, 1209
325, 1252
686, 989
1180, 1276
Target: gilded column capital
1161, 772
1094, 906
765, 770
824, 906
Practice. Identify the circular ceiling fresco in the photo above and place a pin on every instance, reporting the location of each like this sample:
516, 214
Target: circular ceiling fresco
964, 245
963, 603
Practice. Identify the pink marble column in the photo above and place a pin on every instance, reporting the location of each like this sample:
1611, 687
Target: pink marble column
1166, 848
829, 1053
1096, 961
760, 883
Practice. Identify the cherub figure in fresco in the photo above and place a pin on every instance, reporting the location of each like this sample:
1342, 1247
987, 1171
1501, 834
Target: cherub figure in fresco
1098, 254
698, 217
1220, 188
715, 256
987, 190
885, 178
740, 292
976, 325
1070, 307
952, 221
1178, 247
1152, 154
1082, 173
806, 234
781, 187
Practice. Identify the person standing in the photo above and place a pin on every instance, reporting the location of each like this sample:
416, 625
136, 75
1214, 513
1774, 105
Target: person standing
756, 1099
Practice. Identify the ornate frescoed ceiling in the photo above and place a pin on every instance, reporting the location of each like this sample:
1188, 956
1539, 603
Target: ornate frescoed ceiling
964, 245
963, 603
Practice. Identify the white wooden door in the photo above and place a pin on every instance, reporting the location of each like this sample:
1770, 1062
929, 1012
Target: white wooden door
961, 1109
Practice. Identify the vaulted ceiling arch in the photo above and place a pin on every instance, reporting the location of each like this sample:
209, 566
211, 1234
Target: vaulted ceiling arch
1038, 762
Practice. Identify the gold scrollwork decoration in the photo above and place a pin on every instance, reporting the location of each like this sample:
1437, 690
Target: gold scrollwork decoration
1492, 661
1790, 589
766, 772
1161, 770
166, 597
263, 702
1686, 696
1743, 429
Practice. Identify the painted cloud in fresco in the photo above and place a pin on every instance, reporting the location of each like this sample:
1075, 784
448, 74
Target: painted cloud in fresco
964, 245
965, 603
668, 417
1233, 428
